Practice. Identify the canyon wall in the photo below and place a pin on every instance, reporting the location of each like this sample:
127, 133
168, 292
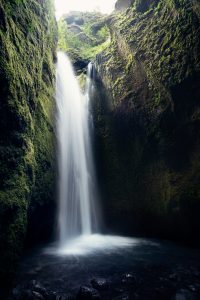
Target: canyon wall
148, 125
27, 154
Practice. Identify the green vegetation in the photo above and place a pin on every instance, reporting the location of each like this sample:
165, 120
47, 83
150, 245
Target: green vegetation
28, 43
149, 136
84, 33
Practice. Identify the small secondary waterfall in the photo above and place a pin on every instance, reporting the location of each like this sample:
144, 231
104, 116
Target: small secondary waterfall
77, 213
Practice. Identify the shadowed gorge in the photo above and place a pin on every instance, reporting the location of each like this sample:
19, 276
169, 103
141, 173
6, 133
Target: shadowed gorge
99, 150
27, 164
148, 131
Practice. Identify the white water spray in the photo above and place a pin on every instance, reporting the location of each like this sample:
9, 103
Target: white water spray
77, 184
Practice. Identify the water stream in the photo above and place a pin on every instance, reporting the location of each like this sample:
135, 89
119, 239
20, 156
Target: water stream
77, 184
78, 210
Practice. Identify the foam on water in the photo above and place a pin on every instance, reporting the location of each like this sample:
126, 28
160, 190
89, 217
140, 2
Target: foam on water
86, 244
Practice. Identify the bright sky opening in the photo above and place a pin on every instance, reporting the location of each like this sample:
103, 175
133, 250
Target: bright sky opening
65, 6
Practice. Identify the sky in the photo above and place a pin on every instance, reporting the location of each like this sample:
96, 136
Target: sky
64, 6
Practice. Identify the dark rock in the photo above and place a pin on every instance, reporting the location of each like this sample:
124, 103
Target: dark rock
173, 276
40, 289
87, 293
144, 5
100, 284
37, 296
80, 65
51, 296
184, 294
123, 4
26, 295
61, 297
74, 29
128, 279
123, 297
16, 292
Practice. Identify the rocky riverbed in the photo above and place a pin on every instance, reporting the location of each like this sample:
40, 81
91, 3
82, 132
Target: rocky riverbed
144, 270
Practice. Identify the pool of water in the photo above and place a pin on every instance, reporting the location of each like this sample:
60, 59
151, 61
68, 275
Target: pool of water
130, 268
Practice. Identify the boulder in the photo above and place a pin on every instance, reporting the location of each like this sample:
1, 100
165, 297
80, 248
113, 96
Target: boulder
87, 293
184, 294
37, 296
100, 284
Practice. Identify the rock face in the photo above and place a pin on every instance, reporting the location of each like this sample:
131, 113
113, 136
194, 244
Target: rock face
123, 4
27, 165
184, 295
87, 293
148, 129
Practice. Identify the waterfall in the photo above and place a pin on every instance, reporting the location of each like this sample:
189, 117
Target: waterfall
77, 213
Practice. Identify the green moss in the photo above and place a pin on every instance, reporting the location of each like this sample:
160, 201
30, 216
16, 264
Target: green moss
28, 43
150, 71
129, 62
82, 81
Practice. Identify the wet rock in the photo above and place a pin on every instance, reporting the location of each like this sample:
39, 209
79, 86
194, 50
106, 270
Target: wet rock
123, 297
33, 290
61, 297
52, 296
173, 276
16, 292
37, 296
100, 284
118, 290
192, 288
87, 293
123, 4
26, 295
128, 278
184, 294
40, 289
80, 65
196, 273
36, 286
32, 283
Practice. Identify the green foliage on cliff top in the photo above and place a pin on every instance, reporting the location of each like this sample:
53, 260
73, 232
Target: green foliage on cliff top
84, 33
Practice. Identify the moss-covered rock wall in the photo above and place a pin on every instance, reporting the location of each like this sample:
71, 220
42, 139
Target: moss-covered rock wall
27, 164
148, 130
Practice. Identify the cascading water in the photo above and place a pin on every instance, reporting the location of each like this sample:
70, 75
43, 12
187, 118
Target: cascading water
77, 185
78, 212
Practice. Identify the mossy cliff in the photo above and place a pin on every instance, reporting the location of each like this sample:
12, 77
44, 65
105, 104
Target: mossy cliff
148, 130
27, 165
